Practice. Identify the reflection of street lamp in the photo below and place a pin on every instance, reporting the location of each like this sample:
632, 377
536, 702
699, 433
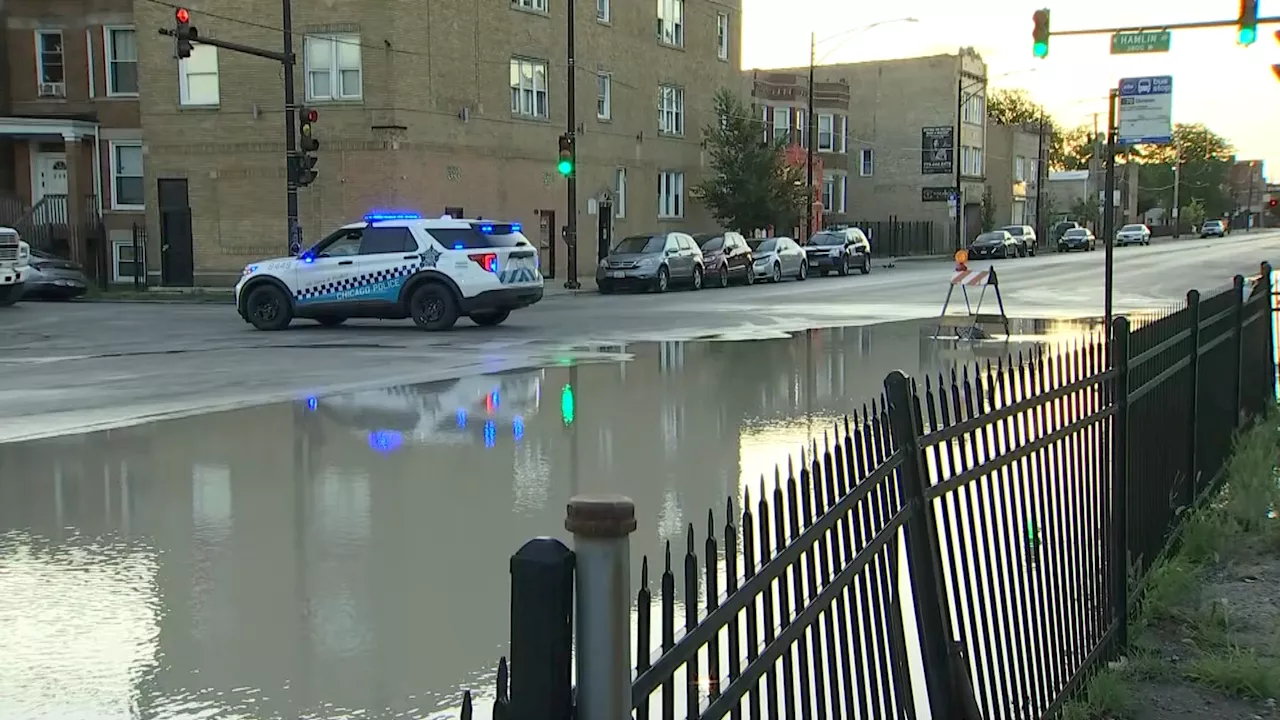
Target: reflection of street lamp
811, 121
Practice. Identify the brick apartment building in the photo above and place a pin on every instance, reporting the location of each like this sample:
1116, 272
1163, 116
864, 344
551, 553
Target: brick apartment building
431, 107
1011, 153
70, 136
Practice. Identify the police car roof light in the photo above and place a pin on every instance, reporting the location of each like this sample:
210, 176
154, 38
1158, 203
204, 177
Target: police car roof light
376, 217
486, 229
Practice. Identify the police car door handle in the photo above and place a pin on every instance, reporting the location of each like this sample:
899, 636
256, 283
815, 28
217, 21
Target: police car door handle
345, 262
410, 257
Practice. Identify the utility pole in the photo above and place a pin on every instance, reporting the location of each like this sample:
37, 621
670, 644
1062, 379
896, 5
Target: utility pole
1109, 216
1177, 181
571, 227
955, 160
812, 122
1248, 205
1040, 180
290, 137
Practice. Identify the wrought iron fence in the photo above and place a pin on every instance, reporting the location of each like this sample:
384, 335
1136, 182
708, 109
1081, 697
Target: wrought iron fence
898, 238
1012, 510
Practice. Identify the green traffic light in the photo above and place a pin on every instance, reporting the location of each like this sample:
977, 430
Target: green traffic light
1040, 49
566, 405
565, 167
1248, 35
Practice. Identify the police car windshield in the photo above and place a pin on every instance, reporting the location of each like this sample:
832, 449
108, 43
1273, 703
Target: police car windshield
479, 236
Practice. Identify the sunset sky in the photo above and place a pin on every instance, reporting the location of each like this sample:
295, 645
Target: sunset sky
1228, 88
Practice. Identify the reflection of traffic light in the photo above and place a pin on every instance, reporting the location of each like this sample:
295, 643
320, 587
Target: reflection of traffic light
565, 166
183, 32
1040, 35
1275, 69
566, 405
1248, 28
307, 144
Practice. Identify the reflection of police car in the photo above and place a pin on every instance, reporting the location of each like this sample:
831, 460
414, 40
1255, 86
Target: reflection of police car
394, 267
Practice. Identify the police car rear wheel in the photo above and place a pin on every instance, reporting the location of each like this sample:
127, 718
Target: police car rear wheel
433, 308
268, 308
490, 318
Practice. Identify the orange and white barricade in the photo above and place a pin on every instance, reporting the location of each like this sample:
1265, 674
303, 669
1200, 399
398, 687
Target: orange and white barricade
970, 324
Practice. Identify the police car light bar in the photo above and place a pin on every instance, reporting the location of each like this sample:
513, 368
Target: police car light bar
376, 217
501, 228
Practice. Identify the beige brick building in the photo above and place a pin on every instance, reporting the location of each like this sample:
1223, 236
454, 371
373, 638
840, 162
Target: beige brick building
428, 106
881, 116
1011, 172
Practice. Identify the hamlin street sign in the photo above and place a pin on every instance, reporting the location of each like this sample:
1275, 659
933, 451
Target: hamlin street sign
1140, 42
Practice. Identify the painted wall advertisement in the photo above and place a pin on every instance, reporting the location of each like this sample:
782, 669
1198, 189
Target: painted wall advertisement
937, 150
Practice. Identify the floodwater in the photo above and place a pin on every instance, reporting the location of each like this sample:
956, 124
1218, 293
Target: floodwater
346, 556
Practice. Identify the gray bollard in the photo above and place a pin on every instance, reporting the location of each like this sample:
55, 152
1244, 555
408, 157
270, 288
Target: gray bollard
601, 527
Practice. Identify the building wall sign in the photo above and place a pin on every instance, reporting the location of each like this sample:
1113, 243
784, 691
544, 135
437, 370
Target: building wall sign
937, 150
936, 194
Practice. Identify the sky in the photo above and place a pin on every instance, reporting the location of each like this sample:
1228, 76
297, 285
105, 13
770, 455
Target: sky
1229, 88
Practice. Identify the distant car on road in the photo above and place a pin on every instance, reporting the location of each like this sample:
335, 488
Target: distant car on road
1060, 229
840, 250
52, 277
726, 258
1134, 235
1213, 228
653, 261
995, 244
1026, 237
1077, 239
778, 257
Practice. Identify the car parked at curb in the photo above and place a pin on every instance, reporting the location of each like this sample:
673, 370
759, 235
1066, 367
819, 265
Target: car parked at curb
726, 258
1026, 237
839, 251
1077, 239
776, 258
1214, 228
995, 244
652, 261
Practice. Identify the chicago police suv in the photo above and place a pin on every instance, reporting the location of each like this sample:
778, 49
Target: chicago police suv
396, 266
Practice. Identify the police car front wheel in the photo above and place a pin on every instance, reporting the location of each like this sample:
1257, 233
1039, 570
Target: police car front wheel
433, 307
268, 308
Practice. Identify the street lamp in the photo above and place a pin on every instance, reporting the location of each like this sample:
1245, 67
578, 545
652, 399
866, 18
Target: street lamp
811, 121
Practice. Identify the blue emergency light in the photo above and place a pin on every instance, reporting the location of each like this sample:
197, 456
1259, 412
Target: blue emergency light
382, 217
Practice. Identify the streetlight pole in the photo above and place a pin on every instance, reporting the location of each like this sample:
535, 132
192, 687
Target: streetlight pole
812, 123
955, 154
571, 225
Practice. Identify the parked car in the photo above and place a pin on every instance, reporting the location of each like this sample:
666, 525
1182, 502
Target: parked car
1213, 228
839, 250
1134, 235
1026, 237
726, 257
54, 278
778, 257
1077, 239
651, 262
994, 244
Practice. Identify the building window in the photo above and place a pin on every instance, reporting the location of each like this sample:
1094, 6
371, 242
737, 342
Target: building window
842, 133
50, 73
670, 110
844, 194
1019, 169
604, 92
122, 60
834, 189
826, 136
334, 70
971, 111
126, 176
602, 10
620, 192
828, 193
671, 22
971, 161
802, 128
535, 5
529, 88
198, 76
670, 194
722, 36
868, 162
842, 182
124, 265
782, 124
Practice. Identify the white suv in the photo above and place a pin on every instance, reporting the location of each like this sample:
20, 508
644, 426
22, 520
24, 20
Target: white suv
394, 267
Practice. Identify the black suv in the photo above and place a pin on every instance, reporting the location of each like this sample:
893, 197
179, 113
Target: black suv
840, 250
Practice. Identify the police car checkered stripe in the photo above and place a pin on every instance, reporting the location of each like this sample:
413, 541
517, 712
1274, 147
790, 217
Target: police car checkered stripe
355, 281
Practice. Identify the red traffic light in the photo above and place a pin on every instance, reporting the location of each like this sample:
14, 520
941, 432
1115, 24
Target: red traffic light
1273, 202
182, 15
310, 115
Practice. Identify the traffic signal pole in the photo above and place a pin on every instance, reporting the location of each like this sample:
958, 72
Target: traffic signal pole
1109, 218
294, 242
813, 137
571, 225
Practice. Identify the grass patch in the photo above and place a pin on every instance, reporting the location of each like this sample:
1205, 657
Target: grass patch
1237, 671
1106, 696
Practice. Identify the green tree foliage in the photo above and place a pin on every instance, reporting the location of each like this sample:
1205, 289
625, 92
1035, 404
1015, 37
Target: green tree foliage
988, 210
1193, 213
753, 186
1085, 212
1204, 159
1015, 107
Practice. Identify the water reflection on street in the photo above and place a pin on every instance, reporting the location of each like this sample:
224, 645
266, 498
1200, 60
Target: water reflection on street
346, 556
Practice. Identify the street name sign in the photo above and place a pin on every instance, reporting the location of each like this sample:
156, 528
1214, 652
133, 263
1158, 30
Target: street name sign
1124, 43
1146, 111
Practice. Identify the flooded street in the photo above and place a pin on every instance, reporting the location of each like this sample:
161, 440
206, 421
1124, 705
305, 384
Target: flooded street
346, 556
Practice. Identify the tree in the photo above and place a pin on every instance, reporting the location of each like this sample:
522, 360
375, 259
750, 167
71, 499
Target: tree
1078, 146
1015, 107
1193, 213
1204, 161
753, 186
988, 210
1085, 212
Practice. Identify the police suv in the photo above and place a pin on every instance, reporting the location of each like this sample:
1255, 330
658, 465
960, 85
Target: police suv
396, 266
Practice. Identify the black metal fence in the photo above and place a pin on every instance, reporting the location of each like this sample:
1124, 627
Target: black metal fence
898, 238
1013, 510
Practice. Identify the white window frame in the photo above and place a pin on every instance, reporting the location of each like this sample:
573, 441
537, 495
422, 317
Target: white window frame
602, 11
108, 51
1019, 169
604, 96
782, 124
519, 89
670, 109
844, 193
40, 35
620, 193
333, 40
670, 194
802, 127
840, 133
867, 162
972, 109
722, 36
185, 73
828, 192
116, 247
766, 116
671, 22
113, 148
534, 5
830, 120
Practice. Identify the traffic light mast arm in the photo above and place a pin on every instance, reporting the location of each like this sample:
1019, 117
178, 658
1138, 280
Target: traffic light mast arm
234, 47
1164, 26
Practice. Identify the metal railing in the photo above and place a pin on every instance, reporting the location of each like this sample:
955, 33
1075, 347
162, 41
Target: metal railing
1013, 510
898, 238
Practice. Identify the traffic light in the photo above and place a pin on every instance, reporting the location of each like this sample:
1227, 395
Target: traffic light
1040, 35
1248, 29
1275, 69
183, 33
565, 166
566, 405
307, 144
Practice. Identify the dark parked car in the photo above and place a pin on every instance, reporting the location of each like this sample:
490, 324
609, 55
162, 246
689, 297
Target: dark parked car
995, 244
651, 262
1077, 239
840, 250
54, 278
726, 258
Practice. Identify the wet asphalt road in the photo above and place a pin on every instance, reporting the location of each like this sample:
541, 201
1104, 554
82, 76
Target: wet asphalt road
90, 365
